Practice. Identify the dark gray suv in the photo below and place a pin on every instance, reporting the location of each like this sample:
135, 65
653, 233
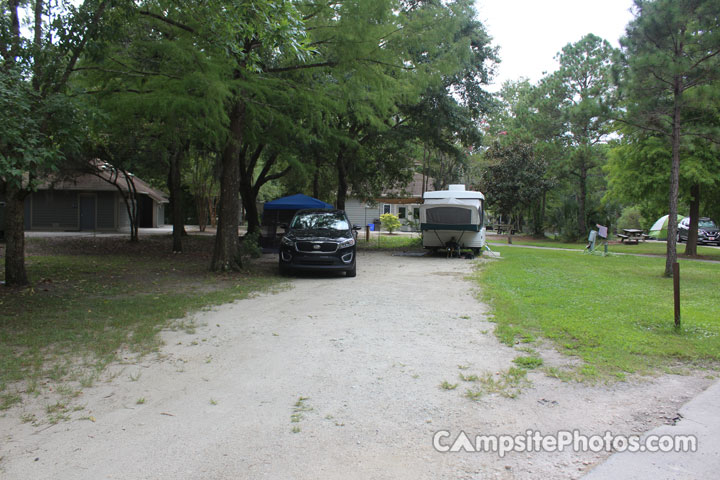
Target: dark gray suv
319, 239
708, 231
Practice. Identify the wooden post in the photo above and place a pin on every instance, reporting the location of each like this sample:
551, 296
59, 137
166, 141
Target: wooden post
676, 290
367, 233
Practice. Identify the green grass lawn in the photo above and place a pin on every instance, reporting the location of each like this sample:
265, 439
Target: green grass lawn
615, 312
91, 298
643, 248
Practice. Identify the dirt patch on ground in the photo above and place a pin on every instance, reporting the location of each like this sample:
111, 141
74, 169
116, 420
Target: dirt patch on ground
333, 378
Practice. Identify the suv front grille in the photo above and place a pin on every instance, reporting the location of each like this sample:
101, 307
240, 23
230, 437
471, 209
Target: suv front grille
316, 247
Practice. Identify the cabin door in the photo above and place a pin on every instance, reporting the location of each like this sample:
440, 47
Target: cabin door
87, 212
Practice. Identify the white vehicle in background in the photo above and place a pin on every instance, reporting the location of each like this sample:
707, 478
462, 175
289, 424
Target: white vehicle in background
452, 220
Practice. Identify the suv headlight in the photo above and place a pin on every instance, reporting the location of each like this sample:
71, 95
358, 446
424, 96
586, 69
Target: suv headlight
286, 241
347, 243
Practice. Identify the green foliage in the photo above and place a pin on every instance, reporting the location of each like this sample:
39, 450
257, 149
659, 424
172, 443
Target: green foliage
670, 68
583, 90
632, 218
380, 104
199, 176
21, 141
637, 173
390, 222
250, 246
670, 48
513, 177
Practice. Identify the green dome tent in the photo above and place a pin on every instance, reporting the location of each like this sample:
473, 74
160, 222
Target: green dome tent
659, 229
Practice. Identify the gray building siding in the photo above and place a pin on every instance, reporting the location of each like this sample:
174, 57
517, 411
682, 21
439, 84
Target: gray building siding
123, 223
106, 210
59, 210
160, 215
54, 209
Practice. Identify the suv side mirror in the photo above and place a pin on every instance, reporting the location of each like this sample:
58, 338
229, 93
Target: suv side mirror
356, 227
284, 226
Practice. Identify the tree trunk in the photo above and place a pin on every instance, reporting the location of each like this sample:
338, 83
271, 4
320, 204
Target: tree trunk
212, 210
582, 225
543, 209
226, 252
249, 201
15, 273
176, 197
342, 181
691, 246
202, 214
671, 256
316, 178
131, 203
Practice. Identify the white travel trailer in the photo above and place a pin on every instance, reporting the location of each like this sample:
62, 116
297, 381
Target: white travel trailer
453, 219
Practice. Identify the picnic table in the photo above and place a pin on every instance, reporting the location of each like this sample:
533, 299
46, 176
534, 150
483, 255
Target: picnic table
631, 236
505, 227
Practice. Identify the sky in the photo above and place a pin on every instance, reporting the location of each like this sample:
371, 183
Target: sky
530, 33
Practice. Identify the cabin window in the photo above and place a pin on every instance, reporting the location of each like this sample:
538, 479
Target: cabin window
386, 208
401, 212
416, 213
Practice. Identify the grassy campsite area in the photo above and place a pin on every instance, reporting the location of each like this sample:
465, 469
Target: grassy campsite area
615, 313
650, 247
94, 300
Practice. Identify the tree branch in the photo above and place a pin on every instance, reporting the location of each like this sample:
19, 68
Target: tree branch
38, 23
706, 57
136, 73
378, 62
709, 138
646, 128
116, 90
254, 159
263, 178
300, 67
277, 175
164, 19
89, 31
13, 6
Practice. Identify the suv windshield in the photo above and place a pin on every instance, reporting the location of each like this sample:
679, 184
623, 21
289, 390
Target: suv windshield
707, 224
317, 221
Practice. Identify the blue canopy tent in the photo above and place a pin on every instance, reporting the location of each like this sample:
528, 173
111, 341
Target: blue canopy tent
295, 202
277, 212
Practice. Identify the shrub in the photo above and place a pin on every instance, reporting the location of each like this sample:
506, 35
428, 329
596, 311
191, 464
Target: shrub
250, 246
390, 222
631, 218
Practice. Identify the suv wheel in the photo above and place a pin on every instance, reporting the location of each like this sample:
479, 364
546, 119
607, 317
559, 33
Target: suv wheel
352, 272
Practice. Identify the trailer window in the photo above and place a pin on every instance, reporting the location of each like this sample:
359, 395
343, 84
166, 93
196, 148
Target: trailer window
448, 216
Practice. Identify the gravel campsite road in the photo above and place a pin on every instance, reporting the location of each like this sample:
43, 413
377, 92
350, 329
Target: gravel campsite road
332, 378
